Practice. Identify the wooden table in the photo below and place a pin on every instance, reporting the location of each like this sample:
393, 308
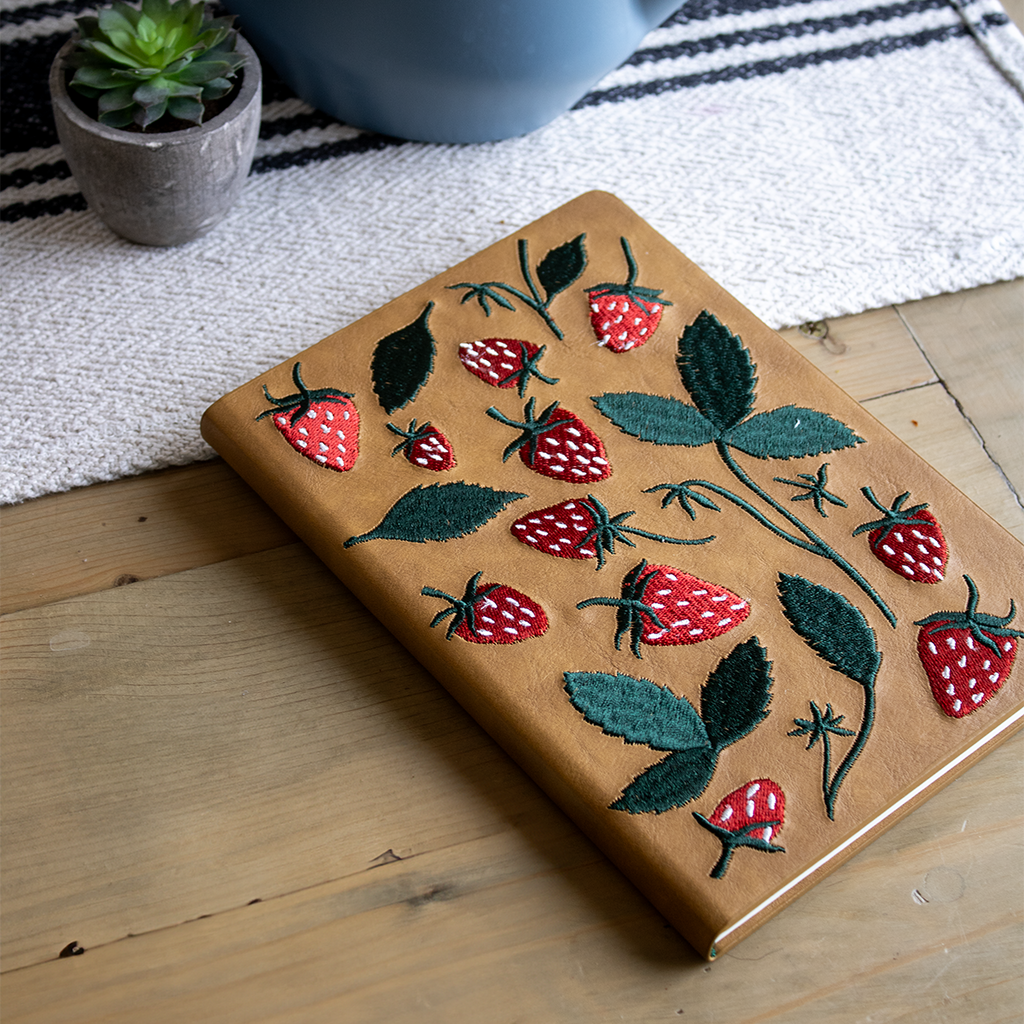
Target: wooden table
234, 791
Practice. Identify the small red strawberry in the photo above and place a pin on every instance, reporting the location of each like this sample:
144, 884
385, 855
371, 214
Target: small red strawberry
504, 362
321, 424
749, 816
424, 446
556, 444
624, 316
908, 541
492, 613
581, 528
966, 655
663, 606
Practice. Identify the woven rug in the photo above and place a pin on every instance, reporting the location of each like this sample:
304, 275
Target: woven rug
817, 158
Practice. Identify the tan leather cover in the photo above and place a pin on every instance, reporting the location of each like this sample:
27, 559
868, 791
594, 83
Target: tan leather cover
517, 690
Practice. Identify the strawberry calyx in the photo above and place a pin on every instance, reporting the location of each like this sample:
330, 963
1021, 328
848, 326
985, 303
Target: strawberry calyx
981, 626
631, 609
303, 399
630, 290
533, 428
412, 435
521, 377
897, 515
733, 840
460, 608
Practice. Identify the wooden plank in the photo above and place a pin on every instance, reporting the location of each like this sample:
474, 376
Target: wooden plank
867, 355
928, 420
529, 924
93, 538
975, 340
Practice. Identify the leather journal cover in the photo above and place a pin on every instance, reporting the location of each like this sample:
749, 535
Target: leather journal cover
731, 624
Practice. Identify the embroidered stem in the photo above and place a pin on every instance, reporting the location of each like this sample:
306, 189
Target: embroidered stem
867, 721
817, 546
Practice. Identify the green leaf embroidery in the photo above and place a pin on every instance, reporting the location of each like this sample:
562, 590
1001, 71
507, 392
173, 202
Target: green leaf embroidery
791, 432
402, 362
439, 512
638, 710
832, 627
717, 371
656, 419
561, 266
671, 782
735, 698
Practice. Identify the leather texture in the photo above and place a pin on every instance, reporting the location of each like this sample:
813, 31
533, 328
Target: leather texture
517, 690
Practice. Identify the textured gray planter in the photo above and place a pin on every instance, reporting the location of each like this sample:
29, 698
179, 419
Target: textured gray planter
161, 188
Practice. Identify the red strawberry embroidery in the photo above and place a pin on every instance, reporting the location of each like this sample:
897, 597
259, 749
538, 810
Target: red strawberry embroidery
424, 446
557, 444
661, 606
624, 316
321, 424
749, 816
581, 528
908, 541
491, 613
504, 362
966, 655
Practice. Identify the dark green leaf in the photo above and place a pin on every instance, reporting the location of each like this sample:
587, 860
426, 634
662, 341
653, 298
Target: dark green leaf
717, 371
791, 432
402, 362
656, 419
735, 698
636, 709
671, 782
561, 266
185, 108
833, 628
439, 512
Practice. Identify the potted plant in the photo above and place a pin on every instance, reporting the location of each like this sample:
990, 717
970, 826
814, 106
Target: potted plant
158, 111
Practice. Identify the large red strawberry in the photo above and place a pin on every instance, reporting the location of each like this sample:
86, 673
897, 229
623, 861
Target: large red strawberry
504, 362
557, 444
424, 446
582, 528
490, 613
749, 816
966, 655
661, 606
322, 424
624, 316
908, 541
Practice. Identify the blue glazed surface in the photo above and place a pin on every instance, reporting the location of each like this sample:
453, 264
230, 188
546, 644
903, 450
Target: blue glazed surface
446, 70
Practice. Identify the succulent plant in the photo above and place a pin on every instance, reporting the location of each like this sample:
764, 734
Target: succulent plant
163, 58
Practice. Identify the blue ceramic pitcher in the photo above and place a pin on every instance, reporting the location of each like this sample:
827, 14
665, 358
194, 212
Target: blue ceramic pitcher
446, 70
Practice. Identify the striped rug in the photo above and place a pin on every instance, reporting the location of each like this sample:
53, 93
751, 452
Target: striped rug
818, 157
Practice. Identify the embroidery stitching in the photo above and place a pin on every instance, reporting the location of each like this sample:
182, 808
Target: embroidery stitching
489, 613
555, 272
968, 655
749, 816
814, 487
504, 362
908, 541
323, 425
424, 446
402, 362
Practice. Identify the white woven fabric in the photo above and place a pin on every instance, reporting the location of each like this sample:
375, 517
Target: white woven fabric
812, 171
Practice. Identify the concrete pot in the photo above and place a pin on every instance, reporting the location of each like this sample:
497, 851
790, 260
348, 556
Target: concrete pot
161, 188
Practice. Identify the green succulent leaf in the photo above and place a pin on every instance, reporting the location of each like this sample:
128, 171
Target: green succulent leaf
116, 99
671, 782
98, 78
791, 432
217, 88
637, 710
656, 419
185, 108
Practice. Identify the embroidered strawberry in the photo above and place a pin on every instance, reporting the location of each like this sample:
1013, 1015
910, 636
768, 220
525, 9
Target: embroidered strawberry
581, 528
321, 424
661, 606
624, 316
557, 444
966, 655
490, 613
504, 362
424, 446
908, 541
749, 816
